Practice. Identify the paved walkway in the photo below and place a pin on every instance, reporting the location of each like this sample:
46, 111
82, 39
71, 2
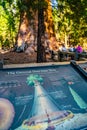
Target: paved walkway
38, 64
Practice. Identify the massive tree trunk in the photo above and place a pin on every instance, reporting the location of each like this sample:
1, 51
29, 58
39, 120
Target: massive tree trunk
28, 23
36, 25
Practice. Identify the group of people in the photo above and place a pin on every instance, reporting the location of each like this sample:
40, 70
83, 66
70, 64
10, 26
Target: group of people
77, 49
72, 48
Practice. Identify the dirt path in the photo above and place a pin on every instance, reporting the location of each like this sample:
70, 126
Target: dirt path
17, 58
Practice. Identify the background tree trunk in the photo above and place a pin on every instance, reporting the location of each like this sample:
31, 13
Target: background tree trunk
41, 56
45, 28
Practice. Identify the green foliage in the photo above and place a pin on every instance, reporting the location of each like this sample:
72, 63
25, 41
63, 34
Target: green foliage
9, 19
71, 17
6, 43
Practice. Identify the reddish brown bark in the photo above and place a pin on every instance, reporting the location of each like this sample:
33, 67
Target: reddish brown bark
32, 29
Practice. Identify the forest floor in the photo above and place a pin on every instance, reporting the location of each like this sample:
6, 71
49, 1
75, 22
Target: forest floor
9, 57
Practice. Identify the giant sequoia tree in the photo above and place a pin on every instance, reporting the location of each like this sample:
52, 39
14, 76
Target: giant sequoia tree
27, 18
35, 23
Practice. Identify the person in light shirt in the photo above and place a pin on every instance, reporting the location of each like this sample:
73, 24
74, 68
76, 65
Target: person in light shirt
62, 48
71, 49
